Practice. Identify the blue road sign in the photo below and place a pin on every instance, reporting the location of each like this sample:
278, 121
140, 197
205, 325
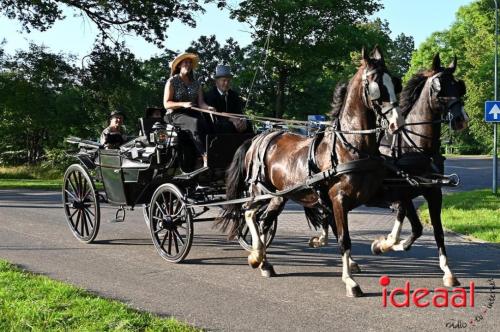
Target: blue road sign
492, 111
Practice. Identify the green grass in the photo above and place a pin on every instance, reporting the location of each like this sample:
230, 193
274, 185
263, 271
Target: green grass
30, 172
31, 302
475, 213
30, 184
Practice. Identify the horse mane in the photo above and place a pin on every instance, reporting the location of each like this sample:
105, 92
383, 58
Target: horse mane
338, 98
413, 90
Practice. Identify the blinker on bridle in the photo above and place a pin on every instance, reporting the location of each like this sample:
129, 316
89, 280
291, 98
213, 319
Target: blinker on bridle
372, 93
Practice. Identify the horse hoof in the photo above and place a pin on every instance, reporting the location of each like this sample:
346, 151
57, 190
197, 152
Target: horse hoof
314, 242
254, 260
376, 250
354, 291
355, 268
450, 281
267, 271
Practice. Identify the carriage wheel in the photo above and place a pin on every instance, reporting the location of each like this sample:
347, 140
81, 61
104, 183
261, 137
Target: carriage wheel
245, 238
80, 203
171, 223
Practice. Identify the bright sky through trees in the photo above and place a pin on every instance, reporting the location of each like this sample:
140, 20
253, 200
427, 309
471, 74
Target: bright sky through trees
76, 35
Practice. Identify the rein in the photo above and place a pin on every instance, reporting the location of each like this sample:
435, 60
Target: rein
286, 121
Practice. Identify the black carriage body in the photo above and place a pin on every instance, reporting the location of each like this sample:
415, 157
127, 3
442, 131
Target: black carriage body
124, 180
131, 181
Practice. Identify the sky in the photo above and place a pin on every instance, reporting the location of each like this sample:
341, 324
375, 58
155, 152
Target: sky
76, 35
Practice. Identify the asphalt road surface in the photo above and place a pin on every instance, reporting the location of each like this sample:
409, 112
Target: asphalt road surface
215, 288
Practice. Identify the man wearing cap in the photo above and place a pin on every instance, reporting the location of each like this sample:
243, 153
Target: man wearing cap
114, 135
182, 92
226, 100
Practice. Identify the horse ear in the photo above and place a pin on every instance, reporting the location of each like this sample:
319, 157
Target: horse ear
364, 55
436, 63
377, 54
453, 64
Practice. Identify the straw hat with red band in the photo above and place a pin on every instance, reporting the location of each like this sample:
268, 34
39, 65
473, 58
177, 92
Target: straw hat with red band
181, 57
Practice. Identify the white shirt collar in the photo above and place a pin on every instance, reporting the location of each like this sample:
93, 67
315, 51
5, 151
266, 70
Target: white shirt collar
221, 93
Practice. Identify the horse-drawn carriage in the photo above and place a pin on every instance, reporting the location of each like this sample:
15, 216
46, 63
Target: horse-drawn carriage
155, 171
329, 174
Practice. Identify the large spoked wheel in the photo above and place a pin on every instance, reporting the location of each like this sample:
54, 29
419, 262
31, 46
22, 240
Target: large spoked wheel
80, 203
245, 238
171, 223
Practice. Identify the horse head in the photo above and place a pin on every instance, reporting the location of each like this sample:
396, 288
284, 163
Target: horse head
380, 89
446, 94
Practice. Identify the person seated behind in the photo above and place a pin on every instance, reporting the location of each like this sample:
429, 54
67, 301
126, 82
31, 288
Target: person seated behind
182, 92
226, 100
155, 113
114, 135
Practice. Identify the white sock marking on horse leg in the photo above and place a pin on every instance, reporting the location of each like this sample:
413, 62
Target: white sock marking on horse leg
396, 232
250, 220
393, 237
443, 264
263, 242
323, 239
346, 270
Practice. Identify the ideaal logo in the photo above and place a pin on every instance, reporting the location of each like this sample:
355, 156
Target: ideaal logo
423, 297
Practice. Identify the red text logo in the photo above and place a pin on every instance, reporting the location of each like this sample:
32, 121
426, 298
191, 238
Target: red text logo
423, 297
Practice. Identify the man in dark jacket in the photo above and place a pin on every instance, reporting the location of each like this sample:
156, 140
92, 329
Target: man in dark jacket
226, 100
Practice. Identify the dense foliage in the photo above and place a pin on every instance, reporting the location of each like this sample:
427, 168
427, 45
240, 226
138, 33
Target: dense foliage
313, 44
472, 39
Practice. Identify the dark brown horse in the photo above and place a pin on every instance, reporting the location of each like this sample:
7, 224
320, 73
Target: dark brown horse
279, 161
429, 99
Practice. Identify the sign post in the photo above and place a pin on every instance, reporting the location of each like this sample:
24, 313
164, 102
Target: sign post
495, 115
492, 115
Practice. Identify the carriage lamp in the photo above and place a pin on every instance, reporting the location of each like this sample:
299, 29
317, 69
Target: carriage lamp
159, 133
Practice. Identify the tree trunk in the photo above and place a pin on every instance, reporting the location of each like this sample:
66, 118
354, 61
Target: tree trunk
280, 94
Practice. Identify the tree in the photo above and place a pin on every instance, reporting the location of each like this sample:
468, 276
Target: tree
307, 38
149, 19
471, 39
39, 92
212, 53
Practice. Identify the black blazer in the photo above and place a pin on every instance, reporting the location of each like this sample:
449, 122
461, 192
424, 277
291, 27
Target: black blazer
231, 103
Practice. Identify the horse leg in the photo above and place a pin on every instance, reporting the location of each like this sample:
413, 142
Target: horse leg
434, 199
384, 245
257, 253
393, 241
416, 227
273, 210
340, 209
322, 240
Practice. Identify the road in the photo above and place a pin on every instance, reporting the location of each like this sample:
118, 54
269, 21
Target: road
216, 290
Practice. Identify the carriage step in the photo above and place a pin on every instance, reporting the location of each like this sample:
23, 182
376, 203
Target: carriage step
188, 176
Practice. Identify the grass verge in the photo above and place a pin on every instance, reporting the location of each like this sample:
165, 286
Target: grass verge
30, 177
30, 184
30, 172
475, 213
31, 302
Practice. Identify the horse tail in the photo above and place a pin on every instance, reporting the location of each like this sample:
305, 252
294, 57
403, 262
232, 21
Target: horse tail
314, 217
232, 215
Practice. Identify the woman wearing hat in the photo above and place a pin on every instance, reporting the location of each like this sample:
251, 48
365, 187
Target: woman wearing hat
182, 92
